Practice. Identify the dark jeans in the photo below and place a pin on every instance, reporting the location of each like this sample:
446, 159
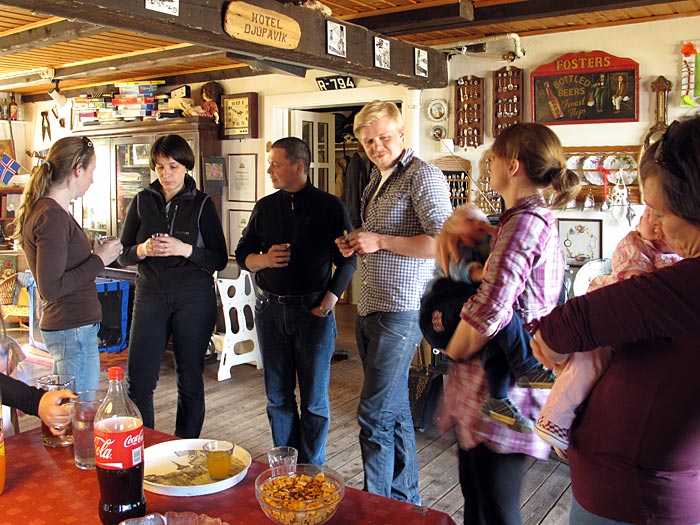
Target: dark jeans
491, 485
296, 344
189, 315
508, 352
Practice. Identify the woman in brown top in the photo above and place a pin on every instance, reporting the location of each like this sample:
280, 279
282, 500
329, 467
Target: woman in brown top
62, 259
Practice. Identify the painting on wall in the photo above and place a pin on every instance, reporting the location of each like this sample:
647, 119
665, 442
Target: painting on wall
585, 87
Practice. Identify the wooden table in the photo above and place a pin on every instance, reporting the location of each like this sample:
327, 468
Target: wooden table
44, 487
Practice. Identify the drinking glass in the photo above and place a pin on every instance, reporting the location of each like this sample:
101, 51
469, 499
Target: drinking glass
50, 383
219, 458
282, 460
84, 408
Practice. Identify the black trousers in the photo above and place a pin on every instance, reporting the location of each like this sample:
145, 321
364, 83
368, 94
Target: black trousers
188, 314
491, 486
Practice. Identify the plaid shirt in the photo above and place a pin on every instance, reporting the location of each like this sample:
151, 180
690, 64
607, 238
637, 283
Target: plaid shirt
525, 272
414, 200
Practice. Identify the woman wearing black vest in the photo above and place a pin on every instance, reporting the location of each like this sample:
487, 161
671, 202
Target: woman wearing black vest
173, 232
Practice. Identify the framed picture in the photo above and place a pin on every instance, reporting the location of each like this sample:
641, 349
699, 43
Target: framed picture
382, 53
335, 39
584, 88
581, 240
239, 116
237, 221
420, 59
242, 177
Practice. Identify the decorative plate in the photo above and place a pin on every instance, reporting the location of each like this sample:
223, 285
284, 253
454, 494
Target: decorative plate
437, 110
179, 468
438, 132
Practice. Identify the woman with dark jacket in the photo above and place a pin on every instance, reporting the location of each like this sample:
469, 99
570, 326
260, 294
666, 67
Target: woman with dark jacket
173, 232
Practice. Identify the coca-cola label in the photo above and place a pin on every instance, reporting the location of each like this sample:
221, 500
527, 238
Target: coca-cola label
119, 450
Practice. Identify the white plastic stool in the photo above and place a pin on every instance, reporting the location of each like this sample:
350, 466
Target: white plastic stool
241, 343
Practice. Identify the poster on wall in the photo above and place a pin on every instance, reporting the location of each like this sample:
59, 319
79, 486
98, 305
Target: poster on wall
584, 88
237, 222
690, 65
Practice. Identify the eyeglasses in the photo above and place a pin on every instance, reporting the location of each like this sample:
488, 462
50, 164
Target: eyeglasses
667, 161
87, 146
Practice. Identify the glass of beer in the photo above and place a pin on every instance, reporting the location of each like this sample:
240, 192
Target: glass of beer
50, 383
219, 459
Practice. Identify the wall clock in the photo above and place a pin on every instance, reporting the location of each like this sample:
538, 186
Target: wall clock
240, 116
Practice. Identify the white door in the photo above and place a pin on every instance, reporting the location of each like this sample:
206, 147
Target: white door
318, 131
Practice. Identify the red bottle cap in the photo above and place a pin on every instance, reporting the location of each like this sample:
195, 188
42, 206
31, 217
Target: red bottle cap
115, 373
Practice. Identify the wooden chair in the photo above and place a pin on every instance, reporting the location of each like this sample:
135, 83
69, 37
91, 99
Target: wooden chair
9, 292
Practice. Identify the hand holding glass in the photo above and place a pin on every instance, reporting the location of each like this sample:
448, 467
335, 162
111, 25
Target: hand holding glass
219, 459
51, 383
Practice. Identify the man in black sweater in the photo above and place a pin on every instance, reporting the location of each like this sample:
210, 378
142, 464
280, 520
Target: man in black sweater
290, 244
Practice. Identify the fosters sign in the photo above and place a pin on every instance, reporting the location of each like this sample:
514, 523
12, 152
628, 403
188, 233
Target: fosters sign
585, 87
261, 26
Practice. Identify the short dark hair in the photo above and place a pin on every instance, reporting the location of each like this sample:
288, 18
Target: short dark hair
175, 147
296, 150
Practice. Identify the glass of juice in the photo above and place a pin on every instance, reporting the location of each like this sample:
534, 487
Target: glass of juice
219, 458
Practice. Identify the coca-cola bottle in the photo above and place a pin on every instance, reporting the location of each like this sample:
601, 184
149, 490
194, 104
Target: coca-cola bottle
119, 453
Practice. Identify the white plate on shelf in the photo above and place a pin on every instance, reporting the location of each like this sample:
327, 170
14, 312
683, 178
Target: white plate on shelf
179, 468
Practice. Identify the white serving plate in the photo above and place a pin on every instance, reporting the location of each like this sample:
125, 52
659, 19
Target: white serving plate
184, 459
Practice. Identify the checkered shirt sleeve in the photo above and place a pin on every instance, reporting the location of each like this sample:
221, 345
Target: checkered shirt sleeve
414, 200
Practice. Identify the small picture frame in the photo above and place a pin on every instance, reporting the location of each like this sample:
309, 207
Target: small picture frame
382, 53
242, 177
214, 169
420, 59
335, 39
237, 222
581, 240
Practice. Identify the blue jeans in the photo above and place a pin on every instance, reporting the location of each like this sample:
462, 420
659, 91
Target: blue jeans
75, 351
387, 342
295, 344
188, 314
580, 516
507, 355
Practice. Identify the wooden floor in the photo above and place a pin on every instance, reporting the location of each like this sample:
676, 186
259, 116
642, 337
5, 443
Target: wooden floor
236, 412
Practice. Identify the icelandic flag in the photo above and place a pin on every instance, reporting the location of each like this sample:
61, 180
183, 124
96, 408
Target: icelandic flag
8, 168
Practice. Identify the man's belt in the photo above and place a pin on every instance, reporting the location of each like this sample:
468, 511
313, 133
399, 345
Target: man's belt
311, 299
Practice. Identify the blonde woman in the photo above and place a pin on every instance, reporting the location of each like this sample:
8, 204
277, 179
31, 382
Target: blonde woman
62, 259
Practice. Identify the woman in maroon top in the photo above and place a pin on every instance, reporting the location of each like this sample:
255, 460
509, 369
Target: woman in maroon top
635, 444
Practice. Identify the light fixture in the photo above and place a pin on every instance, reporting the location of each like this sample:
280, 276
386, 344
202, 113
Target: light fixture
57, 97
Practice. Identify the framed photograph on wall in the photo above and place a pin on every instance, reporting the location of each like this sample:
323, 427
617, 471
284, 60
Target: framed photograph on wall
242, 177
420, 59
335, 39
237, 221
581, 240
382, 53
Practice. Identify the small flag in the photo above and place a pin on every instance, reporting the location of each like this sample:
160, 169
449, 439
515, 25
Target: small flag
8, 168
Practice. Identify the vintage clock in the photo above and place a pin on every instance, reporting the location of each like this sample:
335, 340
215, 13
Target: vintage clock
240, 116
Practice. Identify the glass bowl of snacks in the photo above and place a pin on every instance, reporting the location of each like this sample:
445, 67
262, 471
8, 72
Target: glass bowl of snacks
309, 495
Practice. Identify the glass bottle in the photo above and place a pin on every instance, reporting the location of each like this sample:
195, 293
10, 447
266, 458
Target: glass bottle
12, 108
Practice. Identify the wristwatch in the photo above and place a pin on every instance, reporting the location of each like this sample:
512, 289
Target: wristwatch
325, 311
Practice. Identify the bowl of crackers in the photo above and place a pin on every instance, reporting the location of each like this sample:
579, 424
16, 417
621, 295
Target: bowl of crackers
309, 495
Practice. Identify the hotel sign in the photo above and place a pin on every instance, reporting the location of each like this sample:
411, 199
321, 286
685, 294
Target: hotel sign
261, 26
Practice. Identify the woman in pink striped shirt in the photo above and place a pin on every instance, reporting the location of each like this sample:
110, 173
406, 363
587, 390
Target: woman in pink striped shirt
523, 274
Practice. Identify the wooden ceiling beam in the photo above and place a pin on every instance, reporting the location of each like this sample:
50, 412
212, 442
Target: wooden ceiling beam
419, 19
422, 21
47, 35
201, 23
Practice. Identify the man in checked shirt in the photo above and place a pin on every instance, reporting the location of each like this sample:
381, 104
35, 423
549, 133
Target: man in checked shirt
403, 209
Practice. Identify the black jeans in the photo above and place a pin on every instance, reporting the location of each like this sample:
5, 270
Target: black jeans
188, 314
491, 486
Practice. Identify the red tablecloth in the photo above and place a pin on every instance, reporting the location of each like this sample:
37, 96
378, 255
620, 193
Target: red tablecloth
44, 487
